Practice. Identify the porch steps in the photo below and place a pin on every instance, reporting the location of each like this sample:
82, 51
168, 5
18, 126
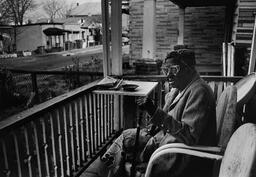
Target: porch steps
244, 23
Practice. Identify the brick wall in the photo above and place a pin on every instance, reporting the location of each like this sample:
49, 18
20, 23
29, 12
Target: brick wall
204, 30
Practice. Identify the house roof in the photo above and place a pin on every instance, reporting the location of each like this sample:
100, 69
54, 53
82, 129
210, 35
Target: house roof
196, 3
87, 9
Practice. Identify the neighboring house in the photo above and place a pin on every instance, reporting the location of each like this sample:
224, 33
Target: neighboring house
90, 14
6, 39
31, 37
61, 34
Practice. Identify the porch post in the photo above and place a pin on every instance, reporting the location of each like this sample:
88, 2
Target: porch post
149, 36
116, 37
105, 36
116, 59
181, 25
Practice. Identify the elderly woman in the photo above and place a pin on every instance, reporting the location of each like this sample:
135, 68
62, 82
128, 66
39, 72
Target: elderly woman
188, 116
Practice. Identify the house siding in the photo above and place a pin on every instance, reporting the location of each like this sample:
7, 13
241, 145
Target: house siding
28, 38
204, 30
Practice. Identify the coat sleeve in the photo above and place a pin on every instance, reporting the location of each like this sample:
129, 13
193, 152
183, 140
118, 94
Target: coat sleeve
194, 117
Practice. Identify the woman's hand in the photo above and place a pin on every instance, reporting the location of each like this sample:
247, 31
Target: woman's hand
146, 104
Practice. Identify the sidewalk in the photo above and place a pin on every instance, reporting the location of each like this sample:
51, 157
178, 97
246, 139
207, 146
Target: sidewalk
73, 51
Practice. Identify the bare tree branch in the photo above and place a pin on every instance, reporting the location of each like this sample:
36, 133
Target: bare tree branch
57, 8
18, 8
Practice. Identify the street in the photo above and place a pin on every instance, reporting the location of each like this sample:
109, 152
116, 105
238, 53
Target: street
54, 61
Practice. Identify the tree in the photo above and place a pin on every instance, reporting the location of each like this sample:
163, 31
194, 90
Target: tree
18, 8
5, 16
57, 8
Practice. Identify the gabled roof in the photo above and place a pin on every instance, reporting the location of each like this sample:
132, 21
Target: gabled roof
87, 9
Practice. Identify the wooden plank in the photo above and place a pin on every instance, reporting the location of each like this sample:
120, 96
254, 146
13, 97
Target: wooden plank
149, 29
105, 36
82, 125
77, 134
105, 117
6, 164
33, 124
253, 50
116, 37
91, 123
95, 124
87, 126
224, 59
45, 146
54, 158
102, 118
71, 133
17, 153
181, 26
67, 151
61, 154
143, 89
28, 160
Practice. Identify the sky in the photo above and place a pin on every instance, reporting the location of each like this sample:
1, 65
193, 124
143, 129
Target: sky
75, 1
39, 12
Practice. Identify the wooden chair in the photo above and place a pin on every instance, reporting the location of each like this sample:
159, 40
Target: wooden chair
246, 89
239, 159
226, 124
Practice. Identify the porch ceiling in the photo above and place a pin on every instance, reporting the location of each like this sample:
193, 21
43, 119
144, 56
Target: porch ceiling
198, 3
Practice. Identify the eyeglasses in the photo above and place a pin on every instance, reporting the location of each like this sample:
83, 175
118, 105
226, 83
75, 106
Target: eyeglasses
167, 70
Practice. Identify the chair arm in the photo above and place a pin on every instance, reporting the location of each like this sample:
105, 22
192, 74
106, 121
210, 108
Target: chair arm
161, 153
212, 149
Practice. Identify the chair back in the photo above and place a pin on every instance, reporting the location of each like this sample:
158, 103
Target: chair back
240, 156
226, 115
246, 88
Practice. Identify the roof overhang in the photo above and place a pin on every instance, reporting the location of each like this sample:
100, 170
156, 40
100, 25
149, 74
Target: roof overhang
55, 31
201, 3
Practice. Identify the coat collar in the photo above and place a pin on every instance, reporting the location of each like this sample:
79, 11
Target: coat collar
179, 96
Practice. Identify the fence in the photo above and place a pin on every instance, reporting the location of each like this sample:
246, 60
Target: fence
33, 87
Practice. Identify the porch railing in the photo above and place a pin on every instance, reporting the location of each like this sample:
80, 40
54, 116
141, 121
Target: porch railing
63, 136
59, 137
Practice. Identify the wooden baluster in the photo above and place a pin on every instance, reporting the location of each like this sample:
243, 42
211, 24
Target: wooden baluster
95, 131
28, 160
45, 145
6, 165
78, 162
98, 121
91, 124
17, 153
87, 125
68, 172
61, 154
81, 108
111, 121
37, 148
101, 119
108, 115
55, 167
105, 118
71, 130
